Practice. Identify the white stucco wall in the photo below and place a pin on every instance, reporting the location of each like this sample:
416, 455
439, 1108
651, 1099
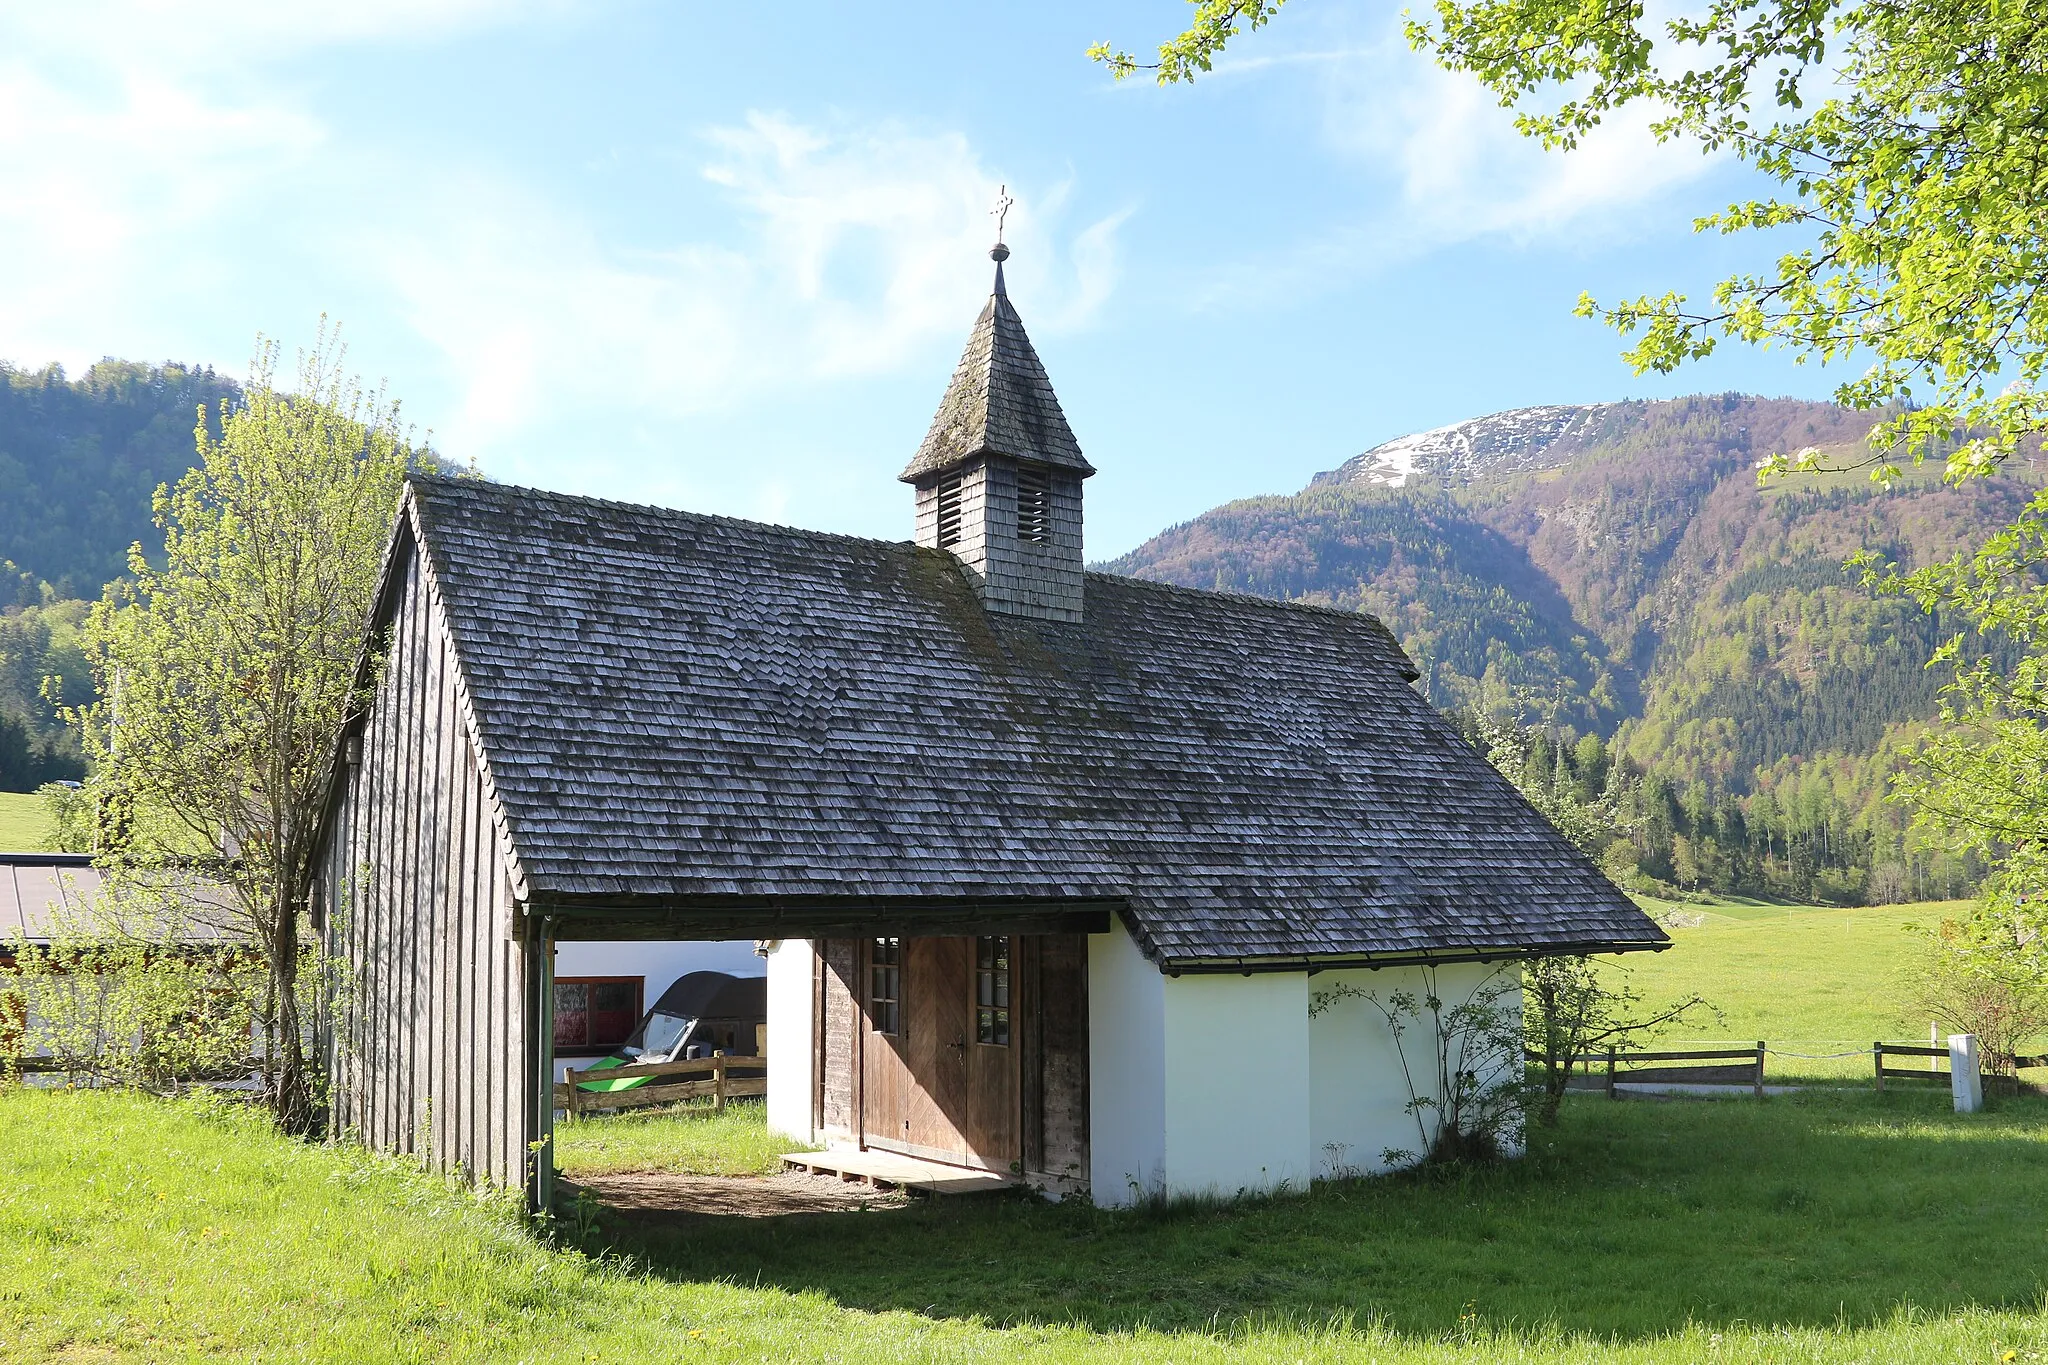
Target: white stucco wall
1237, 1083
1197, 1084
790, 1056
1126, 1070
1358, 1096
1224, 1084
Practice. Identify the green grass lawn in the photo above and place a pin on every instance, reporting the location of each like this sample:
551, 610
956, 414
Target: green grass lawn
24, 823
1802, 978
683, 1138
1830, 1227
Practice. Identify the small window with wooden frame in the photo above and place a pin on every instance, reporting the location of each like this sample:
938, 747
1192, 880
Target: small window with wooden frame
885, 987
992, 991
596, 1013
951, 497
1034, 504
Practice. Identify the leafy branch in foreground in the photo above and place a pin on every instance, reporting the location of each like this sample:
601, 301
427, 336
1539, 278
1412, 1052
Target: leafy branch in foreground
1181, 59
1914, 185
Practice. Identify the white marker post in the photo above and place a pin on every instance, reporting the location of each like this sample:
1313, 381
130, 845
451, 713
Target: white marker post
1965, 1079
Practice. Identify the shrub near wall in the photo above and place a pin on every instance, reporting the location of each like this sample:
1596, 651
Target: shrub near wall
126, 1005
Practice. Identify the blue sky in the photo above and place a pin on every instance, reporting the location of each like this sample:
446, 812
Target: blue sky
724, 257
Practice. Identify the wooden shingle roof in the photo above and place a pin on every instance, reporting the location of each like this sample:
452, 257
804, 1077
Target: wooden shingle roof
677, 708
1000, 402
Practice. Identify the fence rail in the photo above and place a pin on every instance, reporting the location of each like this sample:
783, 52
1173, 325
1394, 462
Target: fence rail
1744, 1066
1711, 1066
1939, 1071
713, 1073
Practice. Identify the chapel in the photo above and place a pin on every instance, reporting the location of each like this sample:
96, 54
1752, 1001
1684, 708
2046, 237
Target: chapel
1044, 861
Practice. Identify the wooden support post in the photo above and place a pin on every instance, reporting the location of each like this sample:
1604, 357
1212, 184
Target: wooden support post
1610, 1075
1877, 1064
538, 963
718, 1082
1758, 1088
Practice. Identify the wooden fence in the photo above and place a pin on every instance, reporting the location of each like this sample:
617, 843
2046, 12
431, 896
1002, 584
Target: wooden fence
1934, 1067
1603, 1071
712, 1076
1677, 1066
1924, 1072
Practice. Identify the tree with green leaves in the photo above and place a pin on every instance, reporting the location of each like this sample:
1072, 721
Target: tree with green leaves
226, 675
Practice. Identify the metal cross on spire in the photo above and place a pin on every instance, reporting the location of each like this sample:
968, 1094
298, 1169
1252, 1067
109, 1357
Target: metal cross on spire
1001, 210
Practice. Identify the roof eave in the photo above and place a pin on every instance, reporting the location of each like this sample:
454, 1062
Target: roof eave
1423, 957
923, 467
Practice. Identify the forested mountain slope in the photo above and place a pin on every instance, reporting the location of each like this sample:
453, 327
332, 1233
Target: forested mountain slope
1615, 571
79, 462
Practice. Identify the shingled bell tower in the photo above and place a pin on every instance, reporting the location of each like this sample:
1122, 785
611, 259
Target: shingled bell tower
998, 477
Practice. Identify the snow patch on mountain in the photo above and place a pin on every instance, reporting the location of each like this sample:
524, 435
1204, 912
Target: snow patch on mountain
1501, 445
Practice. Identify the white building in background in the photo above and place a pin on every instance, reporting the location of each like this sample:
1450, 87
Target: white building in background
602, 987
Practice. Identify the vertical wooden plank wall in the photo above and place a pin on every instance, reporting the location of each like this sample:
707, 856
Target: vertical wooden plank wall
1062, 1018
430, 1044
841, 1020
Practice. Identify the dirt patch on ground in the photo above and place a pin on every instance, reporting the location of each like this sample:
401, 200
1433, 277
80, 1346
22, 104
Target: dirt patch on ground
661, 1193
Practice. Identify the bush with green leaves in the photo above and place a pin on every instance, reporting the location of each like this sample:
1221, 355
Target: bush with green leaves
122, 998
1987, 975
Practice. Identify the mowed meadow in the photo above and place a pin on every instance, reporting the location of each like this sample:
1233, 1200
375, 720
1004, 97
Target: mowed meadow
1812, 980
1830, 1225
24, 822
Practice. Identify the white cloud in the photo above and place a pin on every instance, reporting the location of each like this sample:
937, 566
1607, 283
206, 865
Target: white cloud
1464, 171
142, 143
218, 35
97, 181
1441, 164
836, 253
162, 167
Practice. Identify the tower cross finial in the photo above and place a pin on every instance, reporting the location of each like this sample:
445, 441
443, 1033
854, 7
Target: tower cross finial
1001, 210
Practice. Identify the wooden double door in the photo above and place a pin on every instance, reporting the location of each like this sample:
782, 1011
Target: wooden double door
939, 1039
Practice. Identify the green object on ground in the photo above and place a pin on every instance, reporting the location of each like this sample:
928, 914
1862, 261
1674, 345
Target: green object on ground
613, 1086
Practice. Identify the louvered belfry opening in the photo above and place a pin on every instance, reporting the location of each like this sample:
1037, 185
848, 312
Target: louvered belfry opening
949, 510
998, 477
1034, 503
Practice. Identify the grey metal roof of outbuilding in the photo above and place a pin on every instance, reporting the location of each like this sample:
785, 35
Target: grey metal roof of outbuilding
1000, 402
38, 891
675, 708
36, 886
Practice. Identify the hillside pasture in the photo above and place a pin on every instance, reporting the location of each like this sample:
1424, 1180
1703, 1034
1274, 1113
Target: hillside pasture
24, 822
1805, 979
